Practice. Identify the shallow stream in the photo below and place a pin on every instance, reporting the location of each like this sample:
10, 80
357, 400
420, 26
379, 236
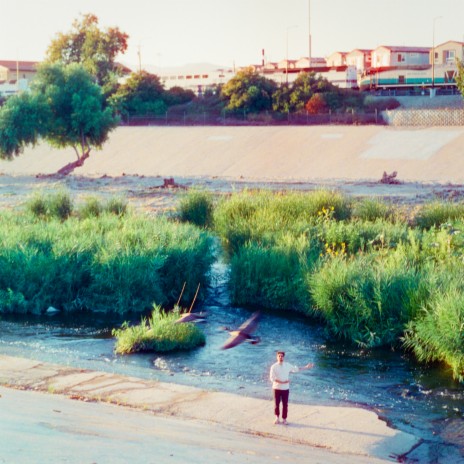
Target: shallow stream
424, 401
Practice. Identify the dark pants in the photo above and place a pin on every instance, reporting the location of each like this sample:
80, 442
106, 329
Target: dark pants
281, 395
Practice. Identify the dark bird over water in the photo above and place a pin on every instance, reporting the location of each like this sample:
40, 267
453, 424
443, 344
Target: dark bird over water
244, 333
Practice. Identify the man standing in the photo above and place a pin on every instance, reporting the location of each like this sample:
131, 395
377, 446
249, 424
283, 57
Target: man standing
280, 378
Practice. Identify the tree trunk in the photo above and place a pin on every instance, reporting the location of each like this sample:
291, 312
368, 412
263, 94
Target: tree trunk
65, 170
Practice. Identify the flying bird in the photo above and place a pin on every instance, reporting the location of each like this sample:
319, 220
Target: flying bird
244, 333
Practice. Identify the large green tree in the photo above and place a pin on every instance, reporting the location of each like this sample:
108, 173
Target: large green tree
294, 97
65, 107
142, 93
249, 91
94, 48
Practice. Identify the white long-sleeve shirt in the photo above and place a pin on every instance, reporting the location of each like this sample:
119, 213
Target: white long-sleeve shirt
281, 372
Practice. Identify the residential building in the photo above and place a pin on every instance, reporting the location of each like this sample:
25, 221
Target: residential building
393, 56
360, 59
336, 59
447, 53
15, 76
316, 62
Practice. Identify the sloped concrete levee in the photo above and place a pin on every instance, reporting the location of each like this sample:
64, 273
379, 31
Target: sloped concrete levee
288, 153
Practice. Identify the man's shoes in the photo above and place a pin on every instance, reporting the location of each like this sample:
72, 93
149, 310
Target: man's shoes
276, 420
285, 422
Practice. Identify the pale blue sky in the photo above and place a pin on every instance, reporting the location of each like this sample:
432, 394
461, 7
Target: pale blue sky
228, 32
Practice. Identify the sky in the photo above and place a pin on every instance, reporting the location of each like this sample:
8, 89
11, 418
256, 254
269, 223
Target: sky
232, 33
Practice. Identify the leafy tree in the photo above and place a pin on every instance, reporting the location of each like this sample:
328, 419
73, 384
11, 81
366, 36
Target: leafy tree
142, 93
178, 96
281, 99
65, 107
90, 46
23, 120
316, 104
247, 90
460, 77
293, 98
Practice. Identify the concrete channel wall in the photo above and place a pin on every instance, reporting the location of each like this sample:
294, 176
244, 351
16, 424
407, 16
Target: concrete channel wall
289, 153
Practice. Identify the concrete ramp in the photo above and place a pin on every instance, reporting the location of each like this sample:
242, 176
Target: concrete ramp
288, 153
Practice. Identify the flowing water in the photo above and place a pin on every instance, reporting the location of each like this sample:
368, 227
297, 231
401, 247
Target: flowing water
424, 401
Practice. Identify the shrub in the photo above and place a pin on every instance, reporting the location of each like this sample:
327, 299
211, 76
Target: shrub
117, 206
60, 205
106, 263
91, 208
362, 236
57, 204
316, 104
273, 276
370, 209
438, 213
37, 205
436, 335
362, 300
159, 333
260, 215
371, 104
197, 207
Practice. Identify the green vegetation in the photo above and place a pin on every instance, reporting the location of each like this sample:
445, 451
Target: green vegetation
373, 276
90, 46
158, 333
65, 107
196, 207
106, 262
371, 273
59, 205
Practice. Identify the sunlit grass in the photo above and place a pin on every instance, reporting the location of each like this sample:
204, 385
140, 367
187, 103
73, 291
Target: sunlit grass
158, 333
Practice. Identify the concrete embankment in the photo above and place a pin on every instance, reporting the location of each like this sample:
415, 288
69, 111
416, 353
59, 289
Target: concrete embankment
287, 153
342, 430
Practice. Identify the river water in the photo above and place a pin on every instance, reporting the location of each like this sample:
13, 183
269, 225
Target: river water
424, 401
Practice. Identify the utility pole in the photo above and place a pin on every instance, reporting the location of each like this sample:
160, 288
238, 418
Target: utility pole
309, 32
432, 93
286, 59
139, 54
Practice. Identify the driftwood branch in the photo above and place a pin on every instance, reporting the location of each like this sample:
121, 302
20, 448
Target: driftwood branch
389, 178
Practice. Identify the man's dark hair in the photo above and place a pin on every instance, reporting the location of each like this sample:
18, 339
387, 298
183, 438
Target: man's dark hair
281, 352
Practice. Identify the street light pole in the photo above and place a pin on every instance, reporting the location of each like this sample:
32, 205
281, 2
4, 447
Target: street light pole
286, 58
433, 53
309, 32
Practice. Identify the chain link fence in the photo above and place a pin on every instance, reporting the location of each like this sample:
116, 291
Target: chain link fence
229, 118
425, 117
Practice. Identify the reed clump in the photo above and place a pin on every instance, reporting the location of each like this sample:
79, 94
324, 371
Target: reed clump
362, 267
105, 262
159, 333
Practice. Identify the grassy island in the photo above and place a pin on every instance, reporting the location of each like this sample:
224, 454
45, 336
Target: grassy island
159, 333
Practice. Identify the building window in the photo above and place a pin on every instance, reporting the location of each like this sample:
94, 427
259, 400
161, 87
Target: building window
401, 80
400, 58
450, 56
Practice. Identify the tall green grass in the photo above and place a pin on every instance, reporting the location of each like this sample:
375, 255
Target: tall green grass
106, 263
273, 276
158, 333
196, 207
258, 215
437, 213
437, 334
366, 299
